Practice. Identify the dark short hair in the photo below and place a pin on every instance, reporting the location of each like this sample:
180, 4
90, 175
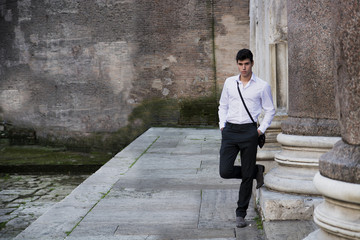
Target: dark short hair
244, 54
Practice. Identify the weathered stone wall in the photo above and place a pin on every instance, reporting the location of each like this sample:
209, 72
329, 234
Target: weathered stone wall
83, 66
232, 33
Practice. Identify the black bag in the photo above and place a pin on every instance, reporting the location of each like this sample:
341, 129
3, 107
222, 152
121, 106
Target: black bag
261, 138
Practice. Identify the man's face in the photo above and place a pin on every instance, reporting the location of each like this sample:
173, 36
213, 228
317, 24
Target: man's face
245, 67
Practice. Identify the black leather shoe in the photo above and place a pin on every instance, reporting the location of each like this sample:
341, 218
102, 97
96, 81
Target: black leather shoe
240, 222
260, 176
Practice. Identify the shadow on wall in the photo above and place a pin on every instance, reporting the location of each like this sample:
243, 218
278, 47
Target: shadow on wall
199, 112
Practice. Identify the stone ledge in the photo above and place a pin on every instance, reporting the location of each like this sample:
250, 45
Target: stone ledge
282, 206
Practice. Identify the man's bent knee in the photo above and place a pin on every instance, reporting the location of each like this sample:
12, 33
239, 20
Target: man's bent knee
226, 174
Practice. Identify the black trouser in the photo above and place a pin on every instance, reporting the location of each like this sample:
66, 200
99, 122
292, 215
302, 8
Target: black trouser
239, 138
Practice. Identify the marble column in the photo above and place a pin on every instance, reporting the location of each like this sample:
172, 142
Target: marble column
338, 179
268, 42
311, 128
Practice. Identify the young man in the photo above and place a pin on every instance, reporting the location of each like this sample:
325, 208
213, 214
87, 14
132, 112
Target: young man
239, 133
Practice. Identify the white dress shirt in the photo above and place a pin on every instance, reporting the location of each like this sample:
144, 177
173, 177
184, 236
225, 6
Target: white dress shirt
257, 97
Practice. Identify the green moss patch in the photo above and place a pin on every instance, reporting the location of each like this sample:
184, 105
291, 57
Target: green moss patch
46, 159
199, 112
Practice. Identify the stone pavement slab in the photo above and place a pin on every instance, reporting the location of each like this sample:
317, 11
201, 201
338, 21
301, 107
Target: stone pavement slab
289, 229
164, 185
20, 206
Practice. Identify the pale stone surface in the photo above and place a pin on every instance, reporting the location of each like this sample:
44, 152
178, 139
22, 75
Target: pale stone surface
215, 211
298, 163
282, 206
289, 230
338, 218
339, 214
320, 235
291, 180
265, 155
163, 205
64, 215
347, 192
172, 195
135, 210
307, 141
268, 42
145, 237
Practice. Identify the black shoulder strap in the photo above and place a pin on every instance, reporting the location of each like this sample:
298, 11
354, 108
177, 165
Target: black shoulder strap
244, 102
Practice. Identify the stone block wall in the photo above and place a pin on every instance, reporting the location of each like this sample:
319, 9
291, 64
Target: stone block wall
80, 67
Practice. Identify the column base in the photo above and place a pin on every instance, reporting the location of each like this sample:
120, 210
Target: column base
338, 216
292, 180
320, 235
298, 163
265, 156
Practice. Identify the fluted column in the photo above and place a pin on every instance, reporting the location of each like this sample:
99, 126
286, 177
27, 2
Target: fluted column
339, 177
311, 128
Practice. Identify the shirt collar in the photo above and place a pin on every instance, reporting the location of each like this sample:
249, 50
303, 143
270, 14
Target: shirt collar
252, 79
